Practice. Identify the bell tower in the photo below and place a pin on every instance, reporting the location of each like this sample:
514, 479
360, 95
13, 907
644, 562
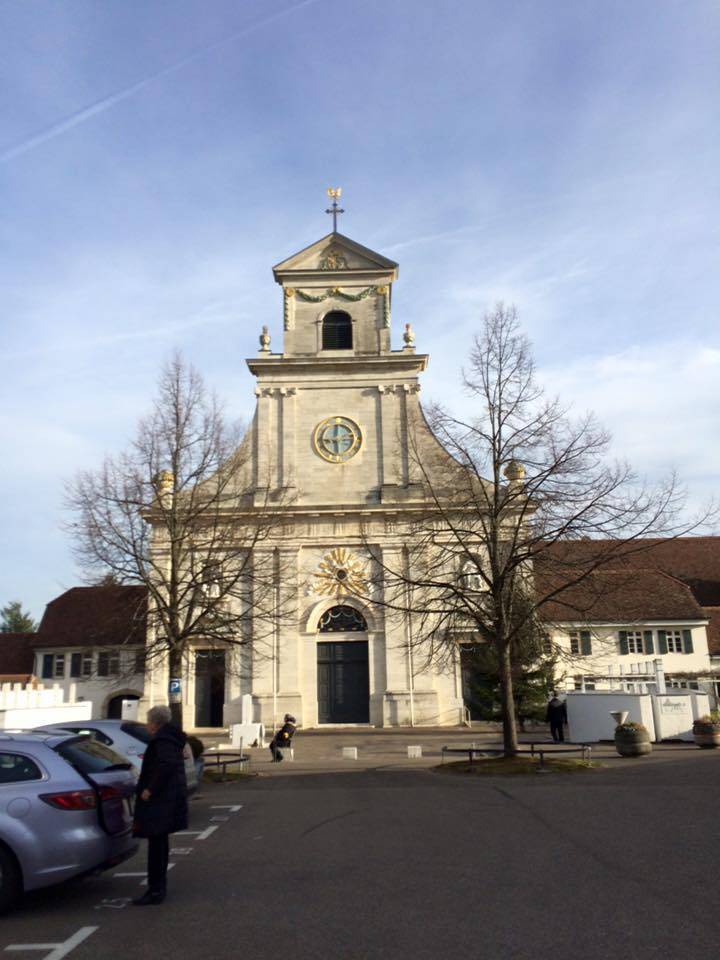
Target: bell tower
334, 404
336, 297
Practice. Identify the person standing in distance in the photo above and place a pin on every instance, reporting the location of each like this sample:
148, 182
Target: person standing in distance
556, 716
161, 799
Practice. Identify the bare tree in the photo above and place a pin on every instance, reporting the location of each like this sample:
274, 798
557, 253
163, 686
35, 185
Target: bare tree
527, 507
181, 513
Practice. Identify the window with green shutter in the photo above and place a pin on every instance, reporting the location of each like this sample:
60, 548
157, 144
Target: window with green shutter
585, 643
688, 641
103, 663
662, 641
623, 642
648, 641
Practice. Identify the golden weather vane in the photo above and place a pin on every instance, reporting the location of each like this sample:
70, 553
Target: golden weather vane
334, 193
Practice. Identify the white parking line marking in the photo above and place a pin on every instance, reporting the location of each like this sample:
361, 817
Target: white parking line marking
143, 882
32, 946
200, 834
57, 950
232, 807
181, 850
219, 819
117, 903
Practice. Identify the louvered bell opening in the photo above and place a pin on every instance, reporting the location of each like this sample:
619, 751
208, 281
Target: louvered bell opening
337, 331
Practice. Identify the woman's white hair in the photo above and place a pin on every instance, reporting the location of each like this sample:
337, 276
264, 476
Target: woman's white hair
159, 715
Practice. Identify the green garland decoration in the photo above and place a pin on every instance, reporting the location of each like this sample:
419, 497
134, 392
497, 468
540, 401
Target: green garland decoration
352, 297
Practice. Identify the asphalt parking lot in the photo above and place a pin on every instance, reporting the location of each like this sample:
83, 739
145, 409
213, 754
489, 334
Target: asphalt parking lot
400, 862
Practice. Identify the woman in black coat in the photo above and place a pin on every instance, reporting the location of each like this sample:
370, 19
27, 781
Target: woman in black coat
161, 805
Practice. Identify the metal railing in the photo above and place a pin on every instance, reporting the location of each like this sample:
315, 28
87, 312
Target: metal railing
222, 760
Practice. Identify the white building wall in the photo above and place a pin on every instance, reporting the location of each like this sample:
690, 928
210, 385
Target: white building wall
98, 691
606, 657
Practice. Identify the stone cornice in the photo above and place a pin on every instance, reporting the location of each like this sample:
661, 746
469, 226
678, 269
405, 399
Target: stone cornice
311, 277
398, 363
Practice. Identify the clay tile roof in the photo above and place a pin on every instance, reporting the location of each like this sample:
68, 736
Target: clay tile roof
713, 630
94, 617
694, 560
623, 596
654, 580
16, 656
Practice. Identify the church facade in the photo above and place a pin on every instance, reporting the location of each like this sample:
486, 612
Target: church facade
329, 445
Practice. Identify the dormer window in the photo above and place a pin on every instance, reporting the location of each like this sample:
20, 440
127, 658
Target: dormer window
337, 331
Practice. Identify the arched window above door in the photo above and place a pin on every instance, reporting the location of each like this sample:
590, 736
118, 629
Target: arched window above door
341, 619
337, 331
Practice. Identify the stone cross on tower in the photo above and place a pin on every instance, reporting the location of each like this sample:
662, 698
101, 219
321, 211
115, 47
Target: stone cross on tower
334, 193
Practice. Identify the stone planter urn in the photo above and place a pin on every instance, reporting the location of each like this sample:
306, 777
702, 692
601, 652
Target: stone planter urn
706, 731
632, 740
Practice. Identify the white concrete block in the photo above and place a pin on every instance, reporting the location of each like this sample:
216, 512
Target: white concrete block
414, 753
349, 753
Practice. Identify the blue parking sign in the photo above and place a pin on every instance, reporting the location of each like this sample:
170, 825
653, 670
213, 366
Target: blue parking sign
174, 689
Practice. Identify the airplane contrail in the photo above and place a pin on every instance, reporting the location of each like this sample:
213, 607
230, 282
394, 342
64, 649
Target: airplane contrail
100, 106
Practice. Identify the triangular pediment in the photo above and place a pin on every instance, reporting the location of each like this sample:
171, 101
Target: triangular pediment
335, 254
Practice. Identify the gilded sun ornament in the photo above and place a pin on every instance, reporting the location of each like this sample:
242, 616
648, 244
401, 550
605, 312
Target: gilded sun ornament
340, 573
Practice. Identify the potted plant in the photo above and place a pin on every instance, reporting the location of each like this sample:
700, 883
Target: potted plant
632, 739
706, 731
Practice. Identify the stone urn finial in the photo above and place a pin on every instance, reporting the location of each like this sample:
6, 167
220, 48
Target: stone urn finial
409, 337
164, 481
265, 341
514, 472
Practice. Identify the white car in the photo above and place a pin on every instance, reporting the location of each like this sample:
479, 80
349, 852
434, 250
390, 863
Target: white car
127, 737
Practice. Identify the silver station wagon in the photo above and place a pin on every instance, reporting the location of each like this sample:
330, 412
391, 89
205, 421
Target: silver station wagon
66, 809
128, 737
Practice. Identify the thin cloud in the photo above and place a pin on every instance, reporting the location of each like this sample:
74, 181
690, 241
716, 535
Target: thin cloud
106, 103
162, 331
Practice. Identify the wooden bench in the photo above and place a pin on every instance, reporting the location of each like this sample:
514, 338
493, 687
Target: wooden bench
473, 751
544, 749
541, 749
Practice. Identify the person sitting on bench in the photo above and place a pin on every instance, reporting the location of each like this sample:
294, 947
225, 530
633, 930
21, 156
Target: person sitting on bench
283, 738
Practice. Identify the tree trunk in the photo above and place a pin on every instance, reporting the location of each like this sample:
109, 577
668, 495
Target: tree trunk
175, 700
507, 701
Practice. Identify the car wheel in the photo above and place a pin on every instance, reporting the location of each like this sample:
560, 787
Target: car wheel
10, 880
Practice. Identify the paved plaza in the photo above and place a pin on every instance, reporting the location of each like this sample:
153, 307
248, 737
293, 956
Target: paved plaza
393, 860
321, 751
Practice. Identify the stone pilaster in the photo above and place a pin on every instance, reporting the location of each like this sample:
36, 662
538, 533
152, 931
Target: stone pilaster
288, 405
389, 435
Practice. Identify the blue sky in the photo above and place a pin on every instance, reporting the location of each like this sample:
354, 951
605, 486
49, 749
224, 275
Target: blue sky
156, 158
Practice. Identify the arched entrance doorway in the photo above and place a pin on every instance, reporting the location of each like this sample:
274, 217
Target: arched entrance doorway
114, 707
342, 667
